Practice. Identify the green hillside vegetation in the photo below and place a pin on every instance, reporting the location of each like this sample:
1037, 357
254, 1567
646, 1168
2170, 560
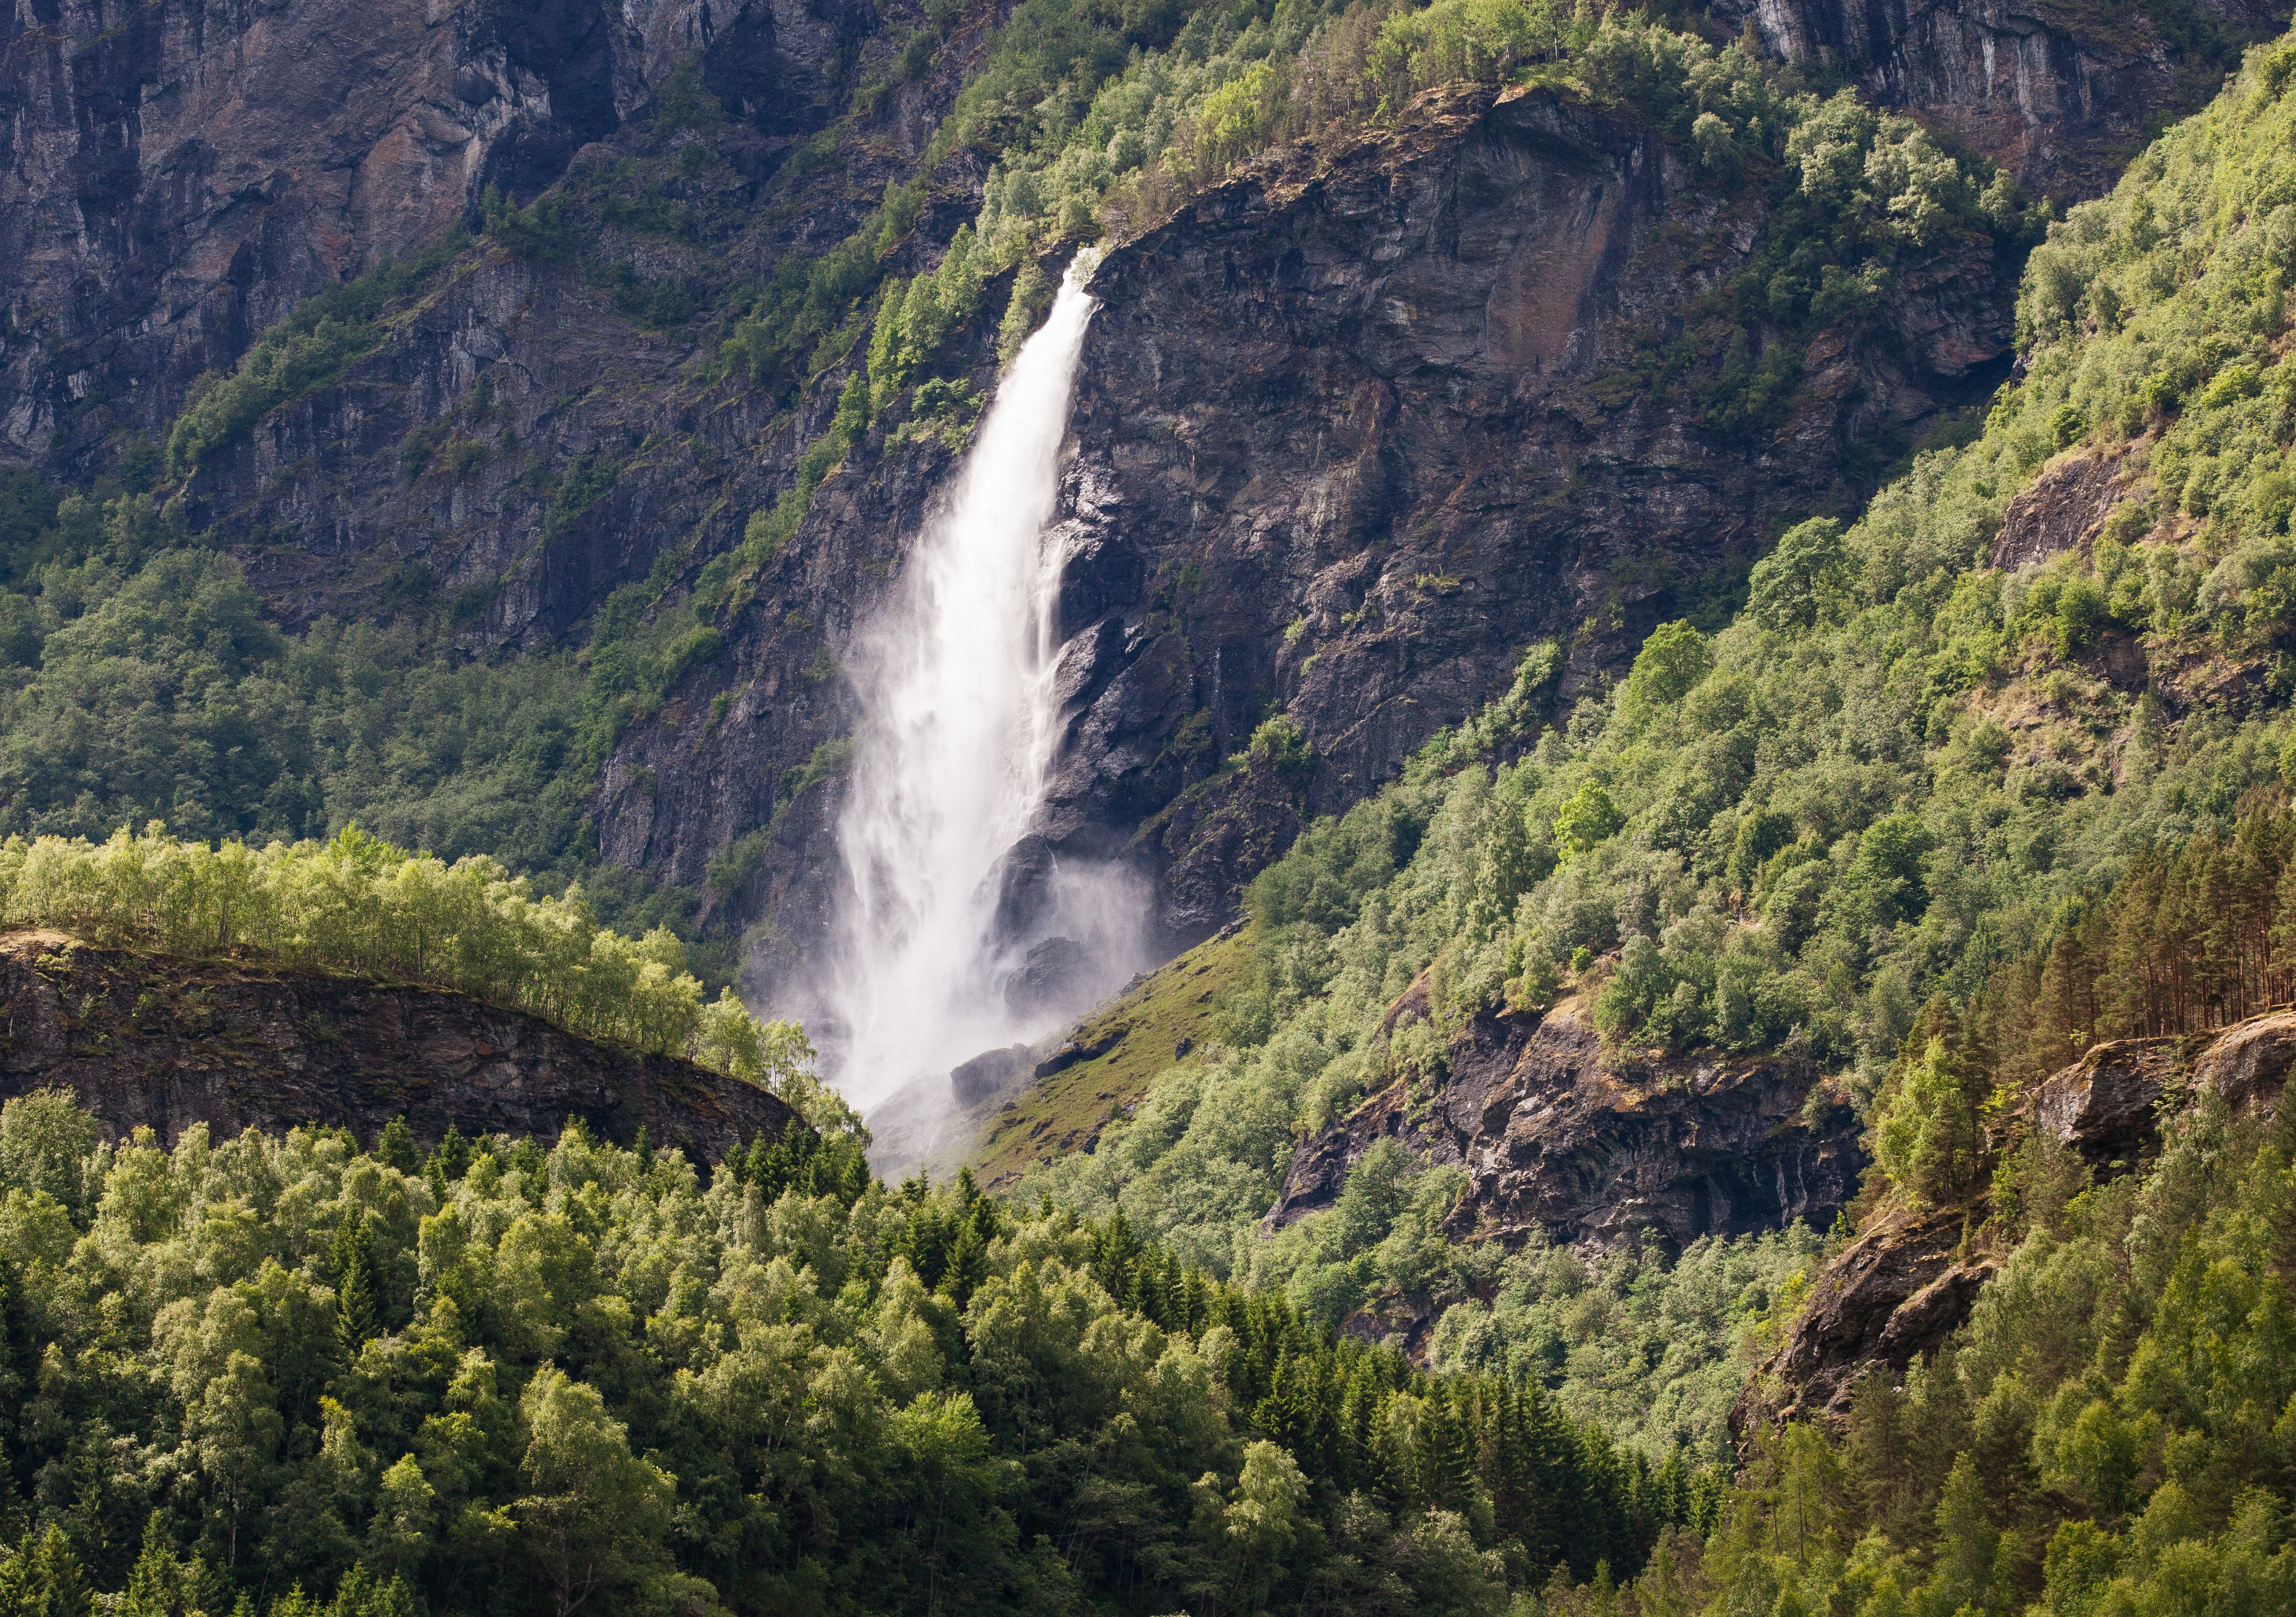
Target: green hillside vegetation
141, 680
358, 905
1139, 1034
280, 1374
1898, 773
2112, 1434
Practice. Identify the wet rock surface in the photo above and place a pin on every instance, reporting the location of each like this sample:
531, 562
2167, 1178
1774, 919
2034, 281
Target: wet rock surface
153, 1041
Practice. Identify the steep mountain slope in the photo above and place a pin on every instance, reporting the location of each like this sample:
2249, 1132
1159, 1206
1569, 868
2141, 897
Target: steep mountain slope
633, 384
2002, 763
2060, 94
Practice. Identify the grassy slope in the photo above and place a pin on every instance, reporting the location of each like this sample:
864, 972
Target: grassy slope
1145, 1030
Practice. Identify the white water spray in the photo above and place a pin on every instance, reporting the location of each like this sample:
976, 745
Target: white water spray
952, 762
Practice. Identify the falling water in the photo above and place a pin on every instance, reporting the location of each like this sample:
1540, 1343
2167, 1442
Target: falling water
952, 761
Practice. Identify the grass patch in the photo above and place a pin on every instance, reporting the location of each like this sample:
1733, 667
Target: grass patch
1061, 1114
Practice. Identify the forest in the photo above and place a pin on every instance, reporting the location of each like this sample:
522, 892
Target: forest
281, 1373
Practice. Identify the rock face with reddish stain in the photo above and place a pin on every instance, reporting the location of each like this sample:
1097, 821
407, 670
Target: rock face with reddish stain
153, 1041
1561, 1139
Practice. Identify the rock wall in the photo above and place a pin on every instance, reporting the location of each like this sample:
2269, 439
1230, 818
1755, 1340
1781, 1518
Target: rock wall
1561, 1139
2062, 94
178, 175
153, 1041
1350, 434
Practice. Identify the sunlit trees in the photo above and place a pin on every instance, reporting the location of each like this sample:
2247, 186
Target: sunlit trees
589, 1379
357, 905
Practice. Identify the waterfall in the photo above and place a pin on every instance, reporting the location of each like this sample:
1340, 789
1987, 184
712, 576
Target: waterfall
951, 764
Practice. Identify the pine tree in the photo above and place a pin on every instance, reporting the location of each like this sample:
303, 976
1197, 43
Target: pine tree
356, 1321
396, 1148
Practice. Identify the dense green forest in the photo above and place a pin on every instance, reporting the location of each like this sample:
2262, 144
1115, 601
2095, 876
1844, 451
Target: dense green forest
279, 1371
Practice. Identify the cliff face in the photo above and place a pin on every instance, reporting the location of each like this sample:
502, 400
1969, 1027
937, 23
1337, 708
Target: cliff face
152, 1041
176, 175
1350, 433
1353, 429
2062, 94
1560, 1139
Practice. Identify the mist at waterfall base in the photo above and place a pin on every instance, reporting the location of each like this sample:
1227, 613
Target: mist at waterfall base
963, 720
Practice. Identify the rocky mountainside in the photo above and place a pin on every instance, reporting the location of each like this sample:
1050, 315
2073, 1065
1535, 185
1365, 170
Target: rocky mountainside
1909, 1278
147, 1040
1354, 429
1351, 431
2062, 94
1567, 1143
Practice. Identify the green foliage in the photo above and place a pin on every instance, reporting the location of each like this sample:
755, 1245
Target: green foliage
360, 906
1024, 309
1928, 1137
598, 1381
1672, 661
1651, 1350
2106, 1434
147, 685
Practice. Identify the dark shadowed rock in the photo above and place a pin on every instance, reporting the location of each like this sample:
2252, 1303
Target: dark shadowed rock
991, 1074
1055, 973
2060, 95
2106, 1104
153, 1041
1560, 1138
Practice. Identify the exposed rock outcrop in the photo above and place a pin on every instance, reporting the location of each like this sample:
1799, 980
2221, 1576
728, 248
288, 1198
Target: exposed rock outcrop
1895, 1292
2062, 509
153, 1041
2060, 94
1910, 1278
1560, 1138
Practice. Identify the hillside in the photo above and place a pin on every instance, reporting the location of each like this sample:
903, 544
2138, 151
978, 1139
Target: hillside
1913, 770
571, 468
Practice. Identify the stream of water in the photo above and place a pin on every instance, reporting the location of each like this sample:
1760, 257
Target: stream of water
951, 764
